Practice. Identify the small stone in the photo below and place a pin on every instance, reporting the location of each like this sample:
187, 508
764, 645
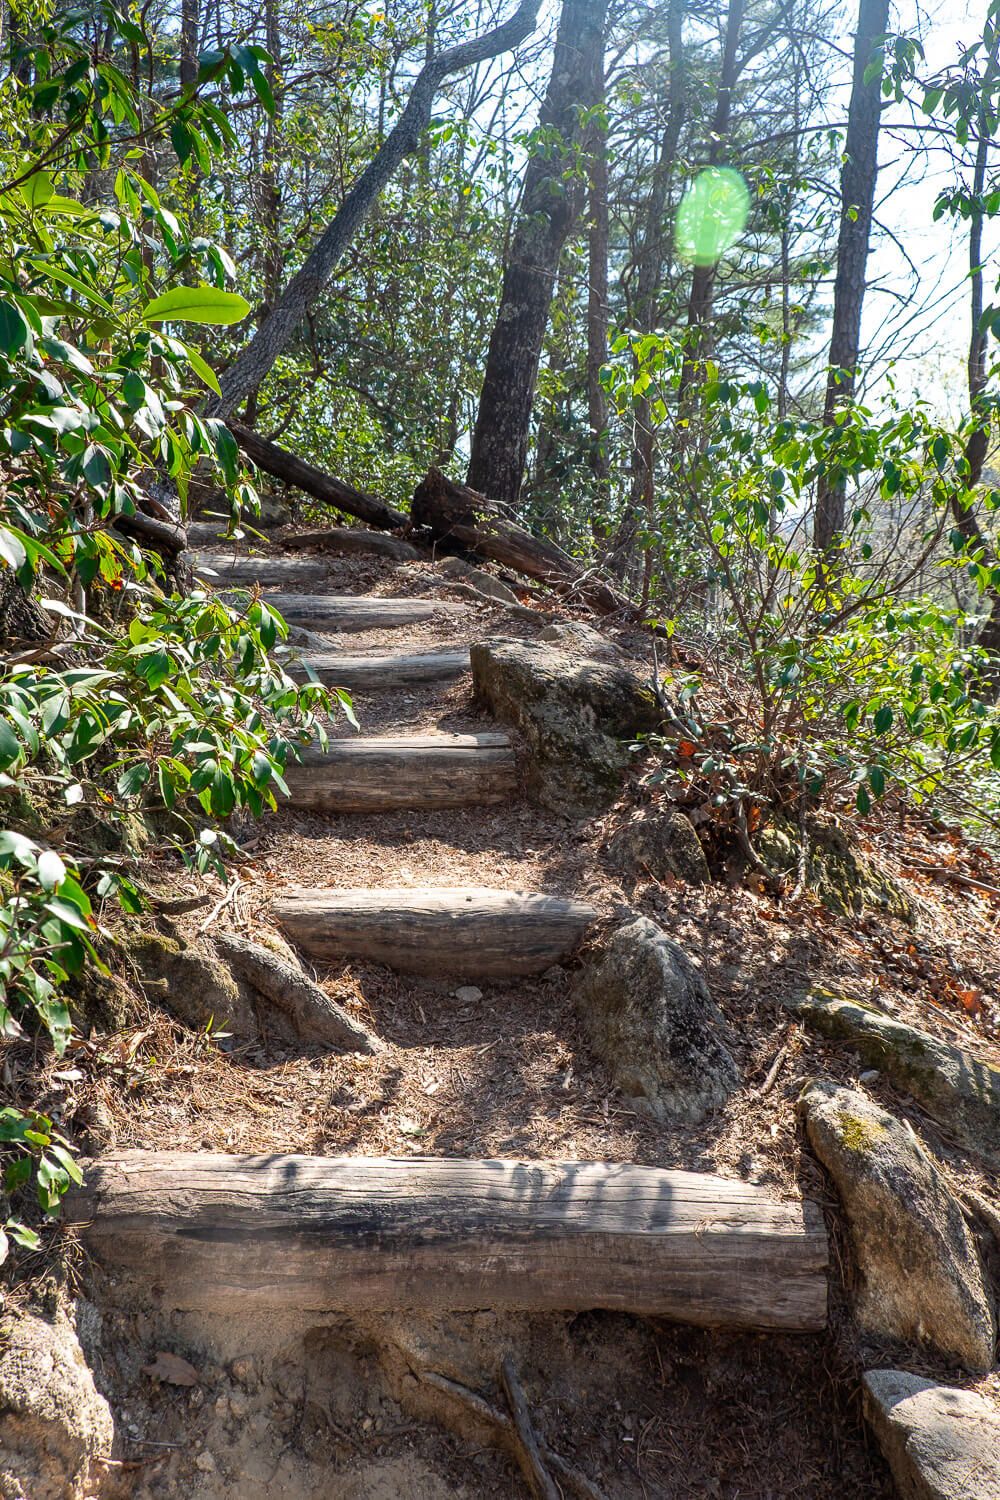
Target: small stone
869, 1075
468, 994
940, 1443
205, 1462
921, 1280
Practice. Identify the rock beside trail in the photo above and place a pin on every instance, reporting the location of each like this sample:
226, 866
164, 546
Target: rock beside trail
577, 716
574, 635
954, 1085
836, 869
54, 1425
940, 1443
192, 985
921, 1280
656, 844
477, 578
650, 1017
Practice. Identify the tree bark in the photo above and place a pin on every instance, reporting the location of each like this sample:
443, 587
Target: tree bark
857, 198
552, 198
189, 44
702, 293
275, 333
457, 514
597, 302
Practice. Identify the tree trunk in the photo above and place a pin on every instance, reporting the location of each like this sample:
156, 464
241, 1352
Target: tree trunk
190, 26
648, 284
702, 294
857, 198
551, 202
597, 305
275, 333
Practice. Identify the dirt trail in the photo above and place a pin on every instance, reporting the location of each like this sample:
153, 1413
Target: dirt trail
644, 1409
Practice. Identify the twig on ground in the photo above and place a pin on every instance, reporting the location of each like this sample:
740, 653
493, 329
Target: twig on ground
528, 1452
773, 1071
504, 1427
947, 873
221, 904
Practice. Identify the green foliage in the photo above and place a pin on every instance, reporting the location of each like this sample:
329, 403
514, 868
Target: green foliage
172, 705
847, 680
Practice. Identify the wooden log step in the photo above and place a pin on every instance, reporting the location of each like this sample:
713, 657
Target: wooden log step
372, 674
412, 771
462, 930
224, 570
346, 541
335, 1234
353, 612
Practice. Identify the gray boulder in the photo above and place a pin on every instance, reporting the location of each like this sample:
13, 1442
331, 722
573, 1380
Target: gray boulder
954, 1085
921, 1280
653, 845
939, 1442
649, 1016
577, 716
54, 1425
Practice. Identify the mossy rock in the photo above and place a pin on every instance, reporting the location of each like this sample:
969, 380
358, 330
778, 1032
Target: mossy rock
836, 869
920, 1277
192, 984
958, 1088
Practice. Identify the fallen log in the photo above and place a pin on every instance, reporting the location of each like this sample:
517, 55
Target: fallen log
200, 1231
454, 513
342, 541
404, 771
160, 536
317, 1018
467, 931
281, 464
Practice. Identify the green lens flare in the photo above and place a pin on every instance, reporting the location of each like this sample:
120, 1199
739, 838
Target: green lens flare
712, 216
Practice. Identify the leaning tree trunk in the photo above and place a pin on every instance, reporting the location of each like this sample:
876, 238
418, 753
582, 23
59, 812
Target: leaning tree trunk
274, 335
857, 199
553, 196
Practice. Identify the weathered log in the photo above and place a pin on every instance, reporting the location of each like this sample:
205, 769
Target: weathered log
317, 1018
304, 1233
414, 771
458, 514
357, 612
463, 930
160, 536
371, 674
305, 476
342, 541
222, 569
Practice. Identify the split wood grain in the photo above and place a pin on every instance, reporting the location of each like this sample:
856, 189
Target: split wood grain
374, 674
376, 774
466, 931
305, 1233
356, 612
347, 541
229, 570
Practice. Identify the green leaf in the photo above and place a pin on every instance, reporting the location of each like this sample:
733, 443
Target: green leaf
14, 331
203, 369
196, 304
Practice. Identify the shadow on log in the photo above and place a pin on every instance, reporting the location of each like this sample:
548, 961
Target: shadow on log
198, 1230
